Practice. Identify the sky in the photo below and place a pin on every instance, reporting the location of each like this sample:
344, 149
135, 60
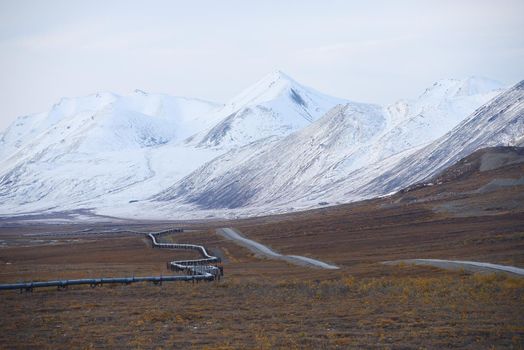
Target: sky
368, 51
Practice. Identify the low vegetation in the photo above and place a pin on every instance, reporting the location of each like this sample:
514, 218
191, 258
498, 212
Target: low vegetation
449, 311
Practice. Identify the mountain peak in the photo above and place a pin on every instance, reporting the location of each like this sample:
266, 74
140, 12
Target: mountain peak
266, 89
277, 75
276, 105
474, 85
276, 80
469, 86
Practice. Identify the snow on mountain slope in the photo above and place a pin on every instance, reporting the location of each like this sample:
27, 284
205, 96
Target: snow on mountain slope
185, 115
26, 128
269, 170
92, 146
500, 122
413, 124
104, 180
440, 108
347, 138
139, 119
275, 106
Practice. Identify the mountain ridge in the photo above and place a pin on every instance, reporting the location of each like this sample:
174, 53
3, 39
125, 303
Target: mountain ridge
347, 138
276, 105
144, 151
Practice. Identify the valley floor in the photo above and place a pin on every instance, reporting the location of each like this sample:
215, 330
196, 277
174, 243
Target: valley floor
446, 311
261, 303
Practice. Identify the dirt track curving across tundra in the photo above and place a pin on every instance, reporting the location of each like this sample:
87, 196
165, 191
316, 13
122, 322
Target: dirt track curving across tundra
474, 266
263, 250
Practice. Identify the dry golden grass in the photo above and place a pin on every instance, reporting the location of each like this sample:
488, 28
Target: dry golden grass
451, 311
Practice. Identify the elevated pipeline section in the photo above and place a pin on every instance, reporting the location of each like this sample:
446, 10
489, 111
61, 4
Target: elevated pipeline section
205, 269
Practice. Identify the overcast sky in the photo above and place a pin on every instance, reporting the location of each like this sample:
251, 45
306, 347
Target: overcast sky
369, 51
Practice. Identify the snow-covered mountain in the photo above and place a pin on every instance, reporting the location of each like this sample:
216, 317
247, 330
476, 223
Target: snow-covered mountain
497, 123
348, 138
276, 145
440, 108
272, 169
105, 148
277, 105
107, 122
92, 146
